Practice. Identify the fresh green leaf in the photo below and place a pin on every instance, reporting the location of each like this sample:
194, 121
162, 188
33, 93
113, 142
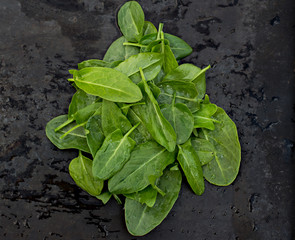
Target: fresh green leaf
80, 170
117, 52
94, 134
113, 118
179, 47
131, 21
113, 154
203, 119
141, 219
204, 149
224, 168
191, 166
146, 196
104, 197
150, 63
185, 92
181, 119
153, 119
108, 84
97, 63
147, 160
148, 28
75, 139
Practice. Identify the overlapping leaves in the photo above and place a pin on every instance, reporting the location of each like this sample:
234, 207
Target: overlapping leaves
145, 121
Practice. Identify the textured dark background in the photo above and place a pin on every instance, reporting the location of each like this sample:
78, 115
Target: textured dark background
250, 45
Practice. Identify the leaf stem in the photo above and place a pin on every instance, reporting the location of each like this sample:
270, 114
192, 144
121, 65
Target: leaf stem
161, 25
202, 71
131, 130
72, 129
64, 124
134, 44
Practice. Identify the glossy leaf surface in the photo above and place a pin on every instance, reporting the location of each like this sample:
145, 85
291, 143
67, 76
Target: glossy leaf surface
95, 134
150, 63
203, 119
181, 119
147, 161
223, 169
141, 219
80, 170
204, 149
154, 121
75, 139
131, 21
113, 118
191, 166
108, 84
112, 155
146, 196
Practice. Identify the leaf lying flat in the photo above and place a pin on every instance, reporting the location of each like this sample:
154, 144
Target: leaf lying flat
150, 63
80, 170
223, 169
75, 139
141, 219
147, 159
108, 84
113, 154
191, 166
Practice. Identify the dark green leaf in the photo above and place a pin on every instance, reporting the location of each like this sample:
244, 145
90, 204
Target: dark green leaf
147, 160
203, 119
150, 63
113, 118
185, 92
154, 121
97, 63
146, 196
179, 47
95, 134
80, 170
204, 149
108, 84
181, 119
82, 115
131, 21
75, 139
224, 168
141, 219
113, 154
149, 28
118, 52
191, 166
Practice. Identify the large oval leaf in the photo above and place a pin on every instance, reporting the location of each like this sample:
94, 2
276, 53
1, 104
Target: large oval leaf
108, 84
141, 219
150, 63
131, 21
224, 168
147, 161
113, 154
80, 170
179, 47
75, 139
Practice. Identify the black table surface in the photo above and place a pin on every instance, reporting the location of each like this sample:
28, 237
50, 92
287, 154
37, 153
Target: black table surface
250, 46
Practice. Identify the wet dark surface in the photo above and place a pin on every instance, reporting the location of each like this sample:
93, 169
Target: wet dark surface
250, 45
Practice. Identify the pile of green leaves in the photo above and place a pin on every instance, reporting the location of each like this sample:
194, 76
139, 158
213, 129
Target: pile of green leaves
146, 122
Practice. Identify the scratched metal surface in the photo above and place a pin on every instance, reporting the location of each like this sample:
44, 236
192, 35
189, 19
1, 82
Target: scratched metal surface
250, 45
